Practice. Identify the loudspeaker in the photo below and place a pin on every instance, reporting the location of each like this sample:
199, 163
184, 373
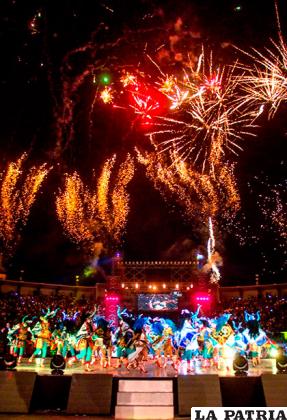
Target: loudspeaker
198, 391
90, 394
274, 387
16, 390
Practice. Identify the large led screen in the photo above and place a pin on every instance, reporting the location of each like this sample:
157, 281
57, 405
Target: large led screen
157, 302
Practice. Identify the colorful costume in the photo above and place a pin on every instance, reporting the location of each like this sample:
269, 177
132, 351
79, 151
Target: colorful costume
84, 344
191, 349
254, 336
138, 355
42, 342
18, 336
42, 336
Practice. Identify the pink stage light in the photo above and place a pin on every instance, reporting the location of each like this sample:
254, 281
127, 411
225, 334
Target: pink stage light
111, 298
112, 301
202, 298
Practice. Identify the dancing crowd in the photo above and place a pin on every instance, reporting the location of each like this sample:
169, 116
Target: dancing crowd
41, 326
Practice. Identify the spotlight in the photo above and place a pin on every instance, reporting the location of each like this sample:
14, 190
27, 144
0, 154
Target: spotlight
274, 353
57, 365
281, 363
240, 365
8, 362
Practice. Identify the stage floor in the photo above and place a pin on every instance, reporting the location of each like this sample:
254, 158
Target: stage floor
153, 371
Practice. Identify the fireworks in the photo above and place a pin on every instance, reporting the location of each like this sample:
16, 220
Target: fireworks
213, 258
264, 81
101, 198
271, 220
174, 93
205, 118
132, 82
198, 117
199, 194
35, 24
113, 203
120, 198
74, 209
17, 195
264, 84
274, 208
145, 99
106, 95
195, 112
90, 217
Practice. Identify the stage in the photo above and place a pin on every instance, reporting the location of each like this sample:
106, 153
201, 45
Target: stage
267, 366
160, 393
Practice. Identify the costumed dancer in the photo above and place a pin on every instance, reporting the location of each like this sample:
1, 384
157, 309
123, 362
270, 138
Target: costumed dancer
58, 337
68, 335
190, 321
70, 343
107, 348
11, 339
137, 357
169, 348
43, 335
191, 350
238, 344
139, 346
99, 350
84, 343
207, 343
187, 340
123, 336
19, 335
254, 336
223, 334
156, 339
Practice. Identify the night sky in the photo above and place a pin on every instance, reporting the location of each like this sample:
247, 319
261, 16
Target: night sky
35, 38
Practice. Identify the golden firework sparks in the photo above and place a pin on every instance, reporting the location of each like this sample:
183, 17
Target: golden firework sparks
101, 197
120, 197
199, 194
106, 95
274, 208
74, 210
100, 215
17, 195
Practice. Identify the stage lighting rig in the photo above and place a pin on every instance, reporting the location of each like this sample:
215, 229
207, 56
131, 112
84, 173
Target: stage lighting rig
58, 365
240, 365
281, 363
